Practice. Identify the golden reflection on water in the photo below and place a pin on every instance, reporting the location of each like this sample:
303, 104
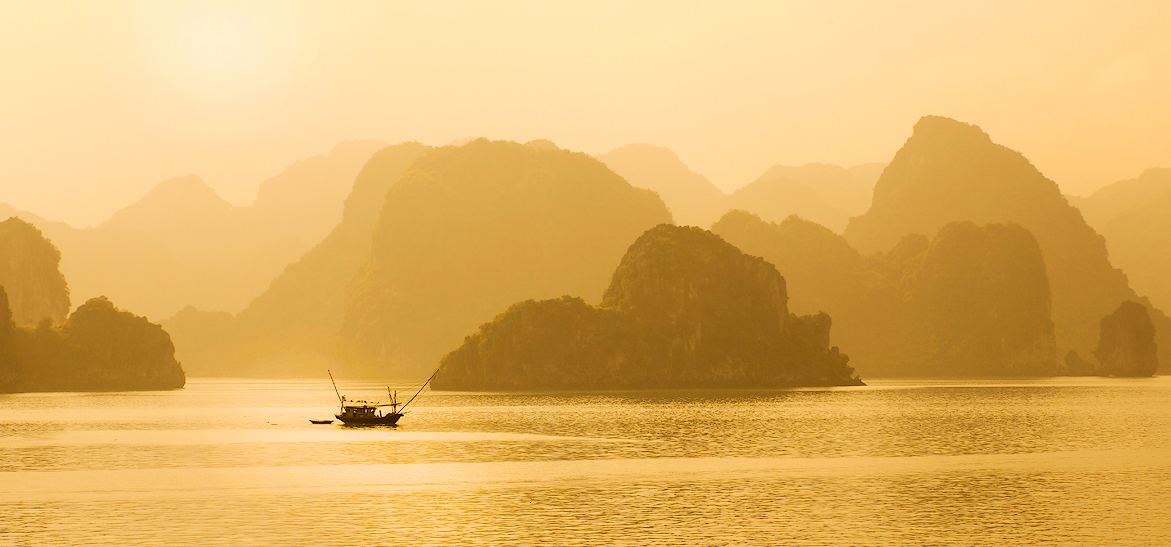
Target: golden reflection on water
950, 463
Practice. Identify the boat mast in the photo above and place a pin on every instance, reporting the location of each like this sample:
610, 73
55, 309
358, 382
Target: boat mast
339, 395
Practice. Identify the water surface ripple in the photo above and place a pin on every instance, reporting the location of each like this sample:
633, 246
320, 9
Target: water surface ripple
232, 462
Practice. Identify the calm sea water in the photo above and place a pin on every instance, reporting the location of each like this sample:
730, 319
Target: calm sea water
236, 462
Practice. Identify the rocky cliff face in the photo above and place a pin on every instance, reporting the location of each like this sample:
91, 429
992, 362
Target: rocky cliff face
1127, 344
973, 301
950, 171
29, 272
979, 304
683, 309
99, 348
471, 229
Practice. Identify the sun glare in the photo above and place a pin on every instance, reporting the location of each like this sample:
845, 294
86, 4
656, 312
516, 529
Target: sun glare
222, 47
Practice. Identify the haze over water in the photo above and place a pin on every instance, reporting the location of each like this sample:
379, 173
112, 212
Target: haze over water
232, 462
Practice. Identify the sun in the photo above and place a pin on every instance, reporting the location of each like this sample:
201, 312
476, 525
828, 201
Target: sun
223, 47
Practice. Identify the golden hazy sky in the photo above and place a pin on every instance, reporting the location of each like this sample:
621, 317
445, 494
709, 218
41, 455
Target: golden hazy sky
100, 101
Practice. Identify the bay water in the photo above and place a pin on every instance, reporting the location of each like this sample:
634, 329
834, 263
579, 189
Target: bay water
899, 462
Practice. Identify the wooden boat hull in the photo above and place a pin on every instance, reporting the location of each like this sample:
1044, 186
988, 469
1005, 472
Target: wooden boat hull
321, 422
385, 419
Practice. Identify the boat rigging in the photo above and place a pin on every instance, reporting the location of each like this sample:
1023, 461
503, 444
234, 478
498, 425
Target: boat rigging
353, 412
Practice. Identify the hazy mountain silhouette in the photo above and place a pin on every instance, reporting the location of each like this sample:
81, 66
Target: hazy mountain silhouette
776, 199
97, 348
683, 309
839, 187
691, 198
949, 171
826, 194
182, 244
471, 229
294, 323
973, 301
1123, 196
1135, 218
867, 175
822, 271
29, 264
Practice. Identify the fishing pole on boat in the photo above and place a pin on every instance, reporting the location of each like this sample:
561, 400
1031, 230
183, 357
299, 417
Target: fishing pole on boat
340, 399
421, 388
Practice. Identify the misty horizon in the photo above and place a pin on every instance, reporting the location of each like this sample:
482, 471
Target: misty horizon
156, 84
585, 273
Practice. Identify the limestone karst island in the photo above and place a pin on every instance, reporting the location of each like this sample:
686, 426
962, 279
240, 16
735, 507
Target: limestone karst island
511, 266
503, 273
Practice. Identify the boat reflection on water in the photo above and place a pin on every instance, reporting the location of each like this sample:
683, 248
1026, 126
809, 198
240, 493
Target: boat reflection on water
361, 413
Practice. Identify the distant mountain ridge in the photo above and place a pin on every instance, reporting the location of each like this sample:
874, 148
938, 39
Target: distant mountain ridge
826, 194
1135, 218
182, 244
469, 230
971, 301
951, 171
294, 324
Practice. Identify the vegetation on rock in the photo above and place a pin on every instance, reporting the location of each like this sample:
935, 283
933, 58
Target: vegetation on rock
99, 348
684, 309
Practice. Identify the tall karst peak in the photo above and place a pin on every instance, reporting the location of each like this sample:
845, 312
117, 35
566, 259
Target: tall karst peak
469, 230
949, 171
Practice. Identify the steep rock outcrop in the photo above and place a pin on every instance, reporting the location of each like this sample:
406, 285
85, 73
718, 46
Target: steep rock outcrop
950, 171
979, 305
683, 309
972, 301
471, 229
29, 270
99, 348
1127, 343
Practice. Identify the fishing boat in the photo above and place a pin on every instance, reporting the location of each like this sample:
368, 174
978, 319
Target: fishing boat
373, 413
